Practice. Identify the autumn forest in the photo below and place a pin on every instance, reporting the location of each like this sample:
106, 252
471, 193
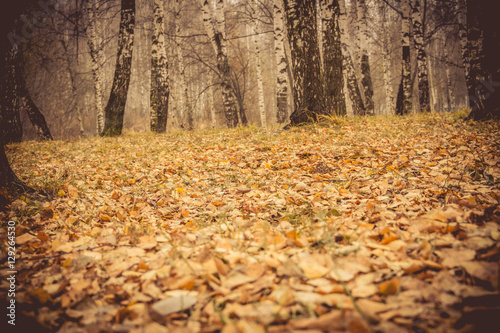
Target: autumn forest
249, 166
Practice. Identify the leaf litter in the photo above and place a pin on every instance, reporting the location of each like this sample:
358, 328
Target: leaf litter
365, 225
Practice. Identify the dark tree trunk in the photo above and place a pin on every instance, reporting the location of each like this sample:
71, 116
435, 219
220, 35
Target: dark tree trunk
8, 179
366, 83
232, 110
332, 58
10, 120
483, 43
115, 109
36, 117
302, 31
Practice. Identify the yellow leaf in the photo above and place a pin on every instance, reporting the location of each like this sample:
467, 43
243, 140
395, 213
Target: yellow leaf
189, 172
66, 263
180, 190
312, 269
41, 295
71, 220
61, 193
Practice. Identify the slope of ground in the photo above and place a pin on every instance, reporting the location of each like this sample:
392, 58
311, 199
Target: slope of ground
364, 225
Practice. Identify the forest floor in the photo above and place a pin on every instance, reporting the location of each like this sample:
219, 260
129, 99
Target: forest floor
355, 225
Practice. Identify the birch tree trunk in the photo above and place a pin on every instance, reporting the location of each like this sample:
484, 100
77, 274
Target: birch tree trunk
160, 89
386, 62
358, 108
404, 99
366, 77
332, 58
302, 34
184, 100
115, 109
449, 81
422, 69
281, 63
211, 97
94, 42
217, 38
258, 65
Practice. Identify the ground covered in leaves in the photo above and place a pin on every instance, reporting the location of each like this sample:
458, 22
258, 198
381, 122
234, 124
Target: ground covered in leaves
358, 225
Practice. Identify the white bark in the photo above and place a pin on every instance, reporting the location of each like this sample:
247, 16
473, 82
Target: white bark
449, 80
386, 61
258, 65
94, 42
184, 100
281, 64
422, 69
218, 41
348, 65
159, 73
404, 99
364, 57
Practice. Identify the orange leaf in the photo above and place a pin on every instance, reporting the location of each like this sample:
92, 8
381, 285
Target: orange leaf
105, 218
390, 287
291, 234
389, 238
42, 236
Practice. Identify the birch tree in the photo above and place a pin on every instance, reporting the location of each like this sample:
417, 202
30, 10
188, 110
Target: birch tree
305, 58
450, 96
281, 63
332, 57
419, 8
386, 59
258, 65
183, 96
404, 98
216, 34
94, 41
115, 108
159, 73
358, 106
366, 77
